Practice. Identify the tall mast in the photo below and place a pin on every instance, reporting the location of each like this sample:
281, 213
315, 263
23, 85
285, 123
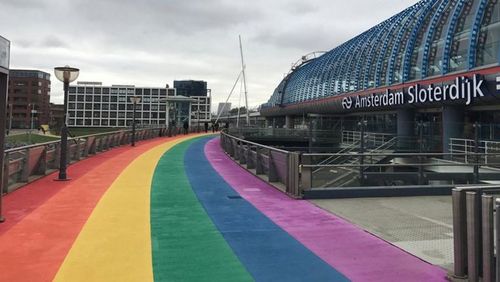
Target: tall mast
244, 81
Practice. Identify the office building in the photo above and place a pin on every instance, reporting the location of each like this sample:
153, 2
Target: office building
93, 105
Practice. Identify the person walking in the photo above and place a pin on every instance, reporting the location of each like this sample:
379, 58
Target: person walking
186, 127
206, 127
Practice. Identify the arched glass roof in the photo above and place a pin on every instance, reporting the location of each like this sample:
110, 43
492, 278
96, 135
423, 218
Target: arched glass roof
430, 38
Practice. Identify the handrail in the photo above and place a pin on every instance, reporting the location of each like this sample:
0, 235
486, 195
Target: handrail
11, 150
347, 149
28, 163
253, 143
392, 165
403, 154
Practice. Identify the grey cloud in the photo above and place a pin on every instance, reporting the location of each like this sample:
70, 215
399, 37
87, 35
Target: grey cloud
153, 42
52, 41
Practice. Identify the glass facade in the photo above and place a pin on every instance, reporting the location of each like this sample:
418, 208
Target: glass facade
430, 38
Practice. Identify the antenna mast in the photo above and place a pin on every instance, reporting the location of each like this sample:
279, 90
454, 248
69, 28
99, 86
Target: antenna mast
243, 66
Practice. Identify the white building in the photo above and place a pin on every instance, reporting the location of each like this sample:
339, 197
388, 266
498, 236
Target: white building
90, 104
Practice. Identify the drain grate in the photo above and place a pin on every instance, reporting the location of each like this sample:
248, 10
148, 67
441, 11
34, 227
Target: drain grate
233, 197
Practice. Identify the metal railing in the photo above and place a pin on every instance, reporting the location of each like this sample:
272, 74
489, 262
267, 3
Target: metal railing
371, 138
408, 167
300, 172
279, 167
466, 146
25, 164
476, 224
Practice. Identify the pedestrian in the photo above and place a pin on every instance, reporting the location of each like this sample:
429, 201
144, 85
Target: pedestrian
206, 127
186, 127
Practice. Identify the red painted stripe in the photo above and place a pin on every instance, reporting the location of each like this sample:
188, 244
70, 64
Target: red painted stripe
45, 217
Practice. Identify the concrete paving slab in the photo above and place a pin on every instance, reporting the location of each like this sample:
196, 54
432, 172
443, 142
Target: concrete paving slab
421, 226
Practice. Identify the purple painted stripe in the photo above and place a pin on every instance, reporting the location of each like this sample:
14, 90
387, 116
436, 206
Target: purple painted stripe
357, 254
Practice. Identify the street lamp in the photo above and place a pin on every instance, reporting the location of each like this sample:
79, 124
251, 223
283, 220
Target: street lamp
32, 117
66, 75
135, 100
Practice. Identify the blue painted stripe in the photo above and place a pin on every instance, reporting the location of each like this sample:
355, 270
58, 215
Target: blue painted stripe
268, 252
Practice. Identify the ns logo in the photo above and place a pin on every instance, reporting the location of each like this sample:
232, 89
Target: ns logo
347, 103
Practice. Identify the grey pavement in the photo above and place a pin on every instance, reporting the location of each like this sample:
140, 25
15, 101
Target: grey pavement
421, 226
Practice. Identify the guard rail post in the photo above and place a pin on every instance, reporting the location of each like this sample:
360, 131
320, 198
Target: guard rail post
259, 168
292, 181
42, 164
272, 174
6, 173
25, 168
305, 173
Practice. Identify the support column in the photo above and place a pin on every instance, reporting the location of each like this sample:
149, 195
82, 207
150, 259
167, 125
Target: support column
405, 127
453, 125
406, 122
289, 122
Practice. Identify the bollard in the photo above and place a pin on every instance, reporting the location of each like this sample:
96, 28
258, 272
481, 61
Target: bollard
459, 234
497, 232
488, 239
473, 205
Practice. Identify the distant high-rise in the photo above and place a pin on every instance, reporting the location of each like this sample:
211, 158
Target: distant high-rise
223, 109
29, 98
189, 88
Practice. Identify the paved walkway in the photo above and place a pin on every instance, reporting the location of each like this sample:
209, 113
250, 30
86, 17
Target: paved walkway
178, 209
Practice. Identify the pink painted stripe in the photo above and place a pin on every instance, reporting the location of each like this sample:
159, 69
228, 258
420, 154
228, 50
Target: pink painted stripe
357, 254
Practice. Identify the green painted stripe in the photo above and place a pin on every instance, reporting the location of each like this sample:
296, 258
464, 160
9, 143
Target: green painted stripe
186, 245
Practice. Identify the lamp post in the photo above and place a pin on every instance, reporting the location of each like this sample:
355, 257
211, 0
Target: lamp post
66, 75
135, 100
32, 117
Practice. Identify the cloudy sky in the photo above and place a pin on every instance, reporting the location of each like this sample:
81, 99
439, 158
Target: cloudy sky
153, 42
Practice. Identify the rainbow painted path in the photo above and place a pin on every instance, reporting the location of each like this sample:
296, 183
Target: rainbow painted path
178, 209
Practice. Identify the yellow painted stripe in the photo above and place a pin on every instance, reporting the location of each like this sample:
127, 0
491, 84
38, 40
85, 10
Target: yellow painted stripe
115, 243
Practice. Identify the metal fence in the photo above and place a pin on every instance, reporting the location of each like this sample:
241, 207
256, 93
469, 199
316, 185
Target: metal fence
459, 145
476, 233
25, 164
278, 167
299, 172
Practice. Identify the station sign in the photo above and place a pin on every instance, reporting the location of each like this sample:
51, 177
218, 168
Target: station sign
462, 89
4, 53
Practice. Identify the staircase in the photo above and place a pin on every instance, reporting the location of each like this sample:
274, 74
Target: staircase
340, 176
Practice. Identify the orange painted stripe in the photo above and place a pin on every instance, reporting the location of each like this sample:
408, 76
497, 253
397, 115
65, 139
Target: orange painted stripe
35, 243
